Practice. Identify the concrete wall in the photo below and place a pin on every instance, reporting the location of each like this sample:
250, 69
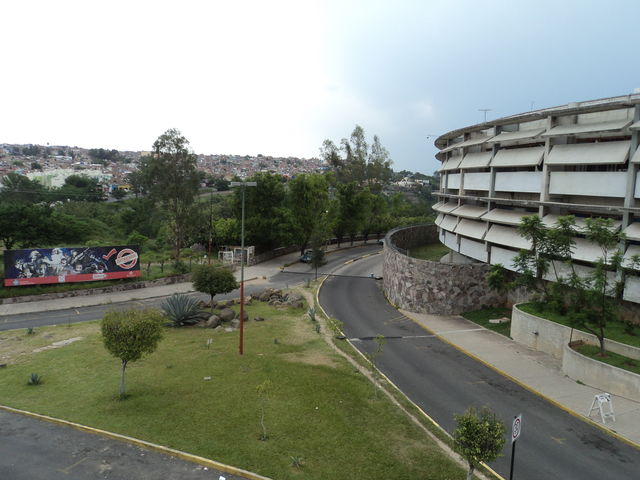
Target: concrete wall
553, 337
600, 375
432, 287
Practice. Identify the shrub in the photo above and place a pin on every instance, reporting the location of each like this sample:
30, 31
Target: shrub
182, 310
34, 379
212, 280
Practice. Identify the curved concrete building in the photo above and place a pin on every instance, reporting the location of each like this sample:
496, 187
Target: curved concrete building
578, 159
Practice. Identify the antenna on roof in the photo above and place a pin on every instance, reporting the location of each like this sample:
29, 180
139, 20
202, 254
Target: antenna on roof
485, 110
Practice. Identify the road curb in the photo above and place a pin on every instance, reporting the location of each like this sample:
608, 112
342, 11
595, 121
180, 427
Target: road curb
142, 443
425, 414
527, 387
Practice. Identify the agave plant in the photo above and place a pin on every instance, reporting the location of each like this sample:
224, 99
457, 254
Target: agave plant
34, 379
182, 310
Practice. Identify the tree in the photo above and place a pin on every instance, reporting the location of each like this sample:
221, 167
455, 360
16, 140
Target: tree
267, 220
130, 334
353, 161
351, 213
478, 437
170, 176
20, 189
308, 200
213, 279
81, 188
595, 296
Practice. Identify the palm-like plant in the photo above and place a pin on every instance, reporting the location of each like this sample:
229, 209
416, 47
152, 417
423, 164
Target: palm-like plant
182, 310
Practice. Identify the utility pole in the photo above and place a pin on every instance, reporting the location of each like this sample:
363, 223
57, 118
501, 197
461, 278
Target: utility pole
242, 184
210, 226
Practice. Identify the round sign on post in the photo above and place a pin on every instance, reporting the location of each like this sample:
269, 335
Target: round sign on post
516, 428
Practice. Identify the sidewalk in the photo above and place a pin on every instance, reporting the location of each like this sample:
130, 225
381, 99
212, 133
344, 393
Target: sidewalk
534, 370
254, 273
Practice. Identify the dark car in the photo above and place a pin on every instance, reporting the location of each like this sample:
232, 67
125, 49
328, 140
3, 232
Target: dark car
306, 256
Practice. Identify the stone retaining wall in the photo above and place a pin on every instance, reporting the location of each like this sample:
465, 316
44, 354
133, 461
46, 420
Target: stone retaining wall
424, 286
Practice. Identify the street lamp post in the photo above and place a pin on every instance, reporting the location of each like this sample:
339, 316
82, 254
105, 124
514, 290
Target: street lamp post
243, 185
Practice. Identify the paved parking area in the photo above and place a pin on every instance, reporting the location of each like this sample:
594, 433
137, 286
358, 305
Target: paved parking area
33, 449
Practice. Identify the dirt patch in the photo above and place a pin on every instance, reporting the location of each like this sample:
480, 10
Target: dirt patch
16, 345
311, 358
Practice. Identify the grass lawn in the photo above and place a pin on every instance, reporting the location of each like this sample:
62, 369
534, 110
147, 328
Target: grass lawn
433, 252
482, 317
620, 361
614, 331
319, 408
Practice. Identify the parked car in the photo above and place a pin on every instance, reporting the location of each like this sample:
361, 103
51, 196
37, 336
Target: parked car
307, 256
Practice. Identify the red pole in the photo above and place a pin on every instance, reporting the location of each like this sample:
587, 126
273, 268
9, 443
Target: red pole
241, 315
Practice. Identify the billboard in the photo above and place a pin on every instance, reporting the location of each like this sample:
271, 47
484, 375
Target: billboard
38, 266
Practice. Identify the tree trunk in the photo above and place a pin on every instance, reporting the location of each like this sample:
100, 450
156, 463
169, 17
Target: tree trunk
470, 472
124, 365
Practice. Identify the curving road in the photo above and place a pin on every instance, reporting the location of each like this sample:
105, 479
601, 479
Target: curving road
443, 381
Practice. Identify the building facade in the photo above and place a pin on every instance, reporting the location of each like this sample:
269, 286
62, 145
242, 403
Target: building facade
578, 159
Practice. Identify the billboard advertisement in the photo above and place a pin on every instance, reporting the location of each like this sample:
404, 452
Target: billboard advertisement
38, 266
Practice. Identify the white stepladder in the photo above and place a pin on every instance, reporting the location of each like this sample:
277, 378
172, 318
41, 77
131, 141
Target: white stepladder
603, 403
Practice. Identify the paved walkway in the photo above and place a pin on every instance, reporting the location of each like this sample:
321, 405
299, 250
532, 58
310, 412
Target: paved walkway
535, 370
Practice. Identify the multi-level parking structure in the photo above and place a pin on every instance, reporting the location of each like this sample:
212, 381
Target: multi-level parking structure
578, 159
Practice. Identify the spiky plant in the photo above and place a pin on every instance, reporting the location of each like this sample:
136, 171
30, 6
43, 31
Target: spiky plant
182, 310
34, 379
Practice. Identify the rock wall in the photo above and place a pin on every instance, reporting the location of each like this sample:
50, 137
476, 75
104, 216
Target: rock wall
424, 286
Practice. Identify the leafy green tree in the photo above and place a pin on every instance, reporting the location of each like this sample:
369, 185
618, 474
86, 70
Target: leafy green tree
37, 225
118, 194
170, 176
478, 437
136, 238
213, 279
31, 150
80, 188
353, 161
130, 334
308, 201
352, 213
267, 220
226, 231
20, 189
595, 302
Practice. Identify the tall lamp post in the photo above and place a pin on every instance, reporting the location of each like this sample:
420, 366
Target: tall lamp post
242, 184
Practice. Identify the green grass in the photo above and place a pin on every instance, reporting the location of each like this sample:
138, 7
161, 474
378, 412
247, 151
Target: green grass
433, 252
482, 317
613, 331
320, 409
620, 361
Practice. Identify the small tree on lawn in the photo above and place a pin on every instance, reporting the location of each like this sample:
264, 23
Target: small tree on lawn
129, 334
595, 296
212, 279
478, 437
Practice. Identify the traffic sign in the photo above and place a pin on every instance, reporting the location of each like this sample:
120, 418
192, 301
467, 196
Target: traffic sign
516, 428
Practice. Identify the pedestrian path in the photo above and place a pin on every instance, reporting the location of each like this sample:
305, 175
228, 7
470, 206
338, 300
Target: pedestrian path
535, 370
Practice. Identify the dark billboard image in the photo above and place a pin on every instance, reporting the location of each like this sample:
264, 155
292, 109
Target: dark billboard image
37, 266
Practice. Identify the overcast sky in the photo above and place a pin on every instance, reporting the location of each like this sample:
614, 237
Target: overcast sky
278, 77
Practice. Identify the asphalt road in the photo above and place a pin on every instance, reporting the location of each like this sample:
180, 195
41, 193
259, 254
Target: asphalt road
443, 381
32, 449
296, 274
